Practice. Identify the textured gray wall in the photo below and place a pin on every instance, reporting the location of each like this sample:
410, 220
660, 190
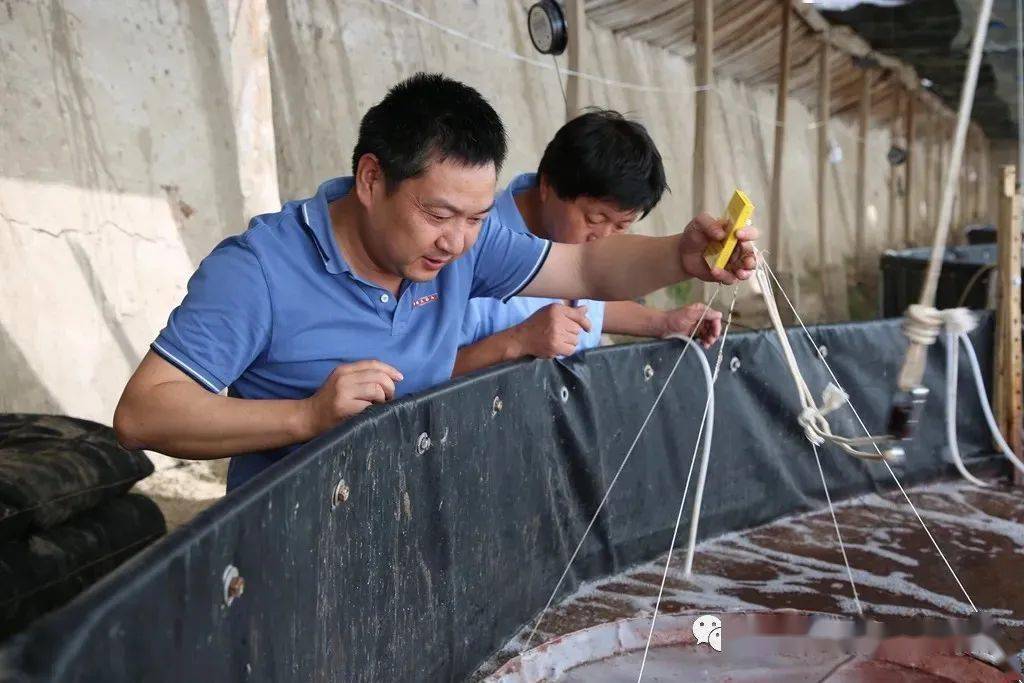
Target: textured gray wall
131, 142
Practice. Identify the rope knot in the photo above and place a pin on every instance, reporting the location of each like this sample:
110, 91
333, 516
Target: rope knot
808, 419
922, 324
958, 320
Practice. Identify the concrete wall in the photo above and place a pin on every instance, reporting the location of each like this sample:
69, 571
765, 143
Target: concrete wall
132, 142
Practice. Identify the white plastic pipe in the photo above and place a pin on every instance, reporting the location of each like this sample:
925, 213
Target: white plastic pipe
952, 363
705, 456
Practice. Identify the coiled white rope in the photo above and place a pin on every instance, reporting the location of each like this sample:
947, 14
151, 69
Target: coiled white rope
958, 322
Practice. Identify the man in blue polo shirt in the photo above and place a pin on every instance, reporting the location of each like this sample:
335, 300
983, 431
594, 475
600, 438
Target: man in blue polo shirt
356, 295
599, 174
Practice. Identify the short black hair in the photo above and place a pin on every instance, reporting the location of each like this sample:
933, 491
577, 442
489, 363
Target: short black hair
603, 154
427, 118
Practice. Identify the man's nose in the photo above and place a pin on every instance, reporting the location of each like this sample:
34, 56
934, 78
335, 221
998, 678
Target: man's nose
453, 240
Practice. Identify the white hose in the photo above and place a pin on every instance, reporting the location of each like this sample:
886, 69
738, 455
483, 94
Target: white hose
705, 455
979, 384
952, 363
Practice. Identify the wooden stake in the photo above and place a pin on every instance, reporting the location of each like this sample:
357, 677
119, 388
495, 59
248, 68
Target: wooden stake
780, 140
894, 171
824, 96
704, 39
577, 20
1008, 384
909, 210
864, 125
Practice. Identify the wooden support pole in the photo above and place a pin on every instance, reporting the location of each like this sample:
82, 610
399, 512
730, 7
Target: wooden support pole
1009, 410
577, 20
824, 98
775, 224
927, 140
978, 189
940, 167
704, 39
833, 275
932, 174
909, 210
894, 171
863, 127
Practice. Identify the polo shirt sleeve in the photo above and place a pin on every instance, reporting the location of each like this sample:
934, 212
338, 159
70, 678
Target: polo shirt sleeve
224, 321
505, 260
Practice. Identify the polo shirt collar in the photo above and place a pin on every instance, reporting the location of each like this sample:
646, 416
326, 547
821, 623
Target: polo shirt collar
317, 220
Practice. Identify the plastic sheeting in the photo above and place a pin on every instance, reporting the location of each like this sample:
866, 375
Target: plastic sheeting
53, 467
415, 540
48, 568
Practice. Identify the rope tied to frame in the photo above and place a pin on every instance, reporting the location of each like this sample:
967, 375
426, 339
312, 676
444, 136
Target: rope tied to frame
812, 418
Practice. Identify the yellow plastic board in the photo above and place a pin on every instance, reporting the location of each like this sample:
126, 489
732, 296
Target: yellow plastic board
738, 215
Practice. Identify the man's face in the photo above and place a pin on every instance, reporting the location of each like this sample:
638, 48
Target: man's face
429, 221
582, 219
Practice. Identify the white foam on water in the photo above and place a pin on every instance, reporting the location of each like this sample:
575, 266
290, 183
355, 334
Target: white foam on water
876, 526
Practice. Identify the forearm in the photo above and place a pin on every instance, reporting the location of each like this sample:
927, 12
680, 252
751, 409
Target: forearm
629, 317
498, 348
610, 269
186, 421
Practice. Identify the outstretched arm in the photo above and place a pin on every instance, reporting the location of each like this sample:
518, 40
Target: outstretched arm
694, 320
550, 332
628, 266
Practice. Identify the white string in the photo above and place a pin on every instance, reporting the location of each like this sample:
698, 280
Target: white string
812, 418
839, 535
515, 56
705, 420
561, 87
864, 427
510, 54
625, 459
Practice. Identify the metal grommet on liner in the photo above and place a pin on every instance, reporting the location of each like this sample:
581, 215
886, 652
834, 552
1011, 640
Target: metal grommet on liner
341, 493
823, 351
563, 394
234, 584
734, 363
648, 372
496, 406
423, 444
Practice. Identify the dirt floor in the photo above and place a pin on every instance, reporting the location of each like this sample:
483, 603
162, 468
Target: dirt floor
183, 488
796, 563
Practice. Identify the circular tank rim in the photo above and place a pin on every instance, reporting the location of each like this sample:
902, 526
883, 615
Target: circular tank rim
553, 658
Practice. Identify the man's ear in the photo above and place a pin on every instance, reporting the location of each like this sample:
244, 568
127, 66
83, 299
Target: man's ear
544, 187
369, 179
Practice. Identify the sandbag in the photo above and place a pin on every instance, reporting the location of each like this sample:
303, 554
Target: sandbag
52, 467
49, 568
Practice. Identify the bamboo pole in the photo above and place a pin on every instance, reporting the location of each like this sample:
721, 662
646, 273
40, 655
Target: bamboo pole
1009, 411
704, 39
780, 138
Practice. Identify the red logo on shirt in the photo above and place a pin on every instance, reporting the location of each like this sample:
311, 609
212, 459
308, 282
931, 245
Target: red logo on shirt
424, 300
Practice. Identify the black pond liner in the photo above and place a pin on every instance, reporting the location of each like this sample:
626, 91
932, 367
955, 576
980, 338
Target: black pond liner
414, 541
